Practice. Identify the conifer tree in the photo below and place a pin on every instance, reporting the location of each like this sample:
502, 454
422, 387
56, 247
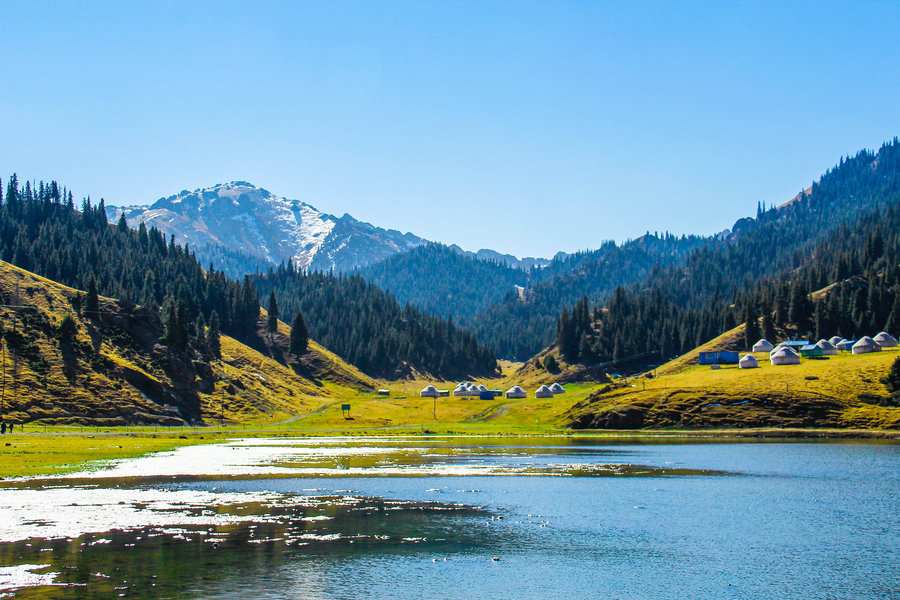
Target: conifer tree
272, 319
92, 302
299, 335
213, 337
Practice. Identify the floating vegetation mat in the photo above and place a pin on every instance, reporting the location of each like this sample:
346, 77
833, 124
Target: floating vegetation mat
355, 457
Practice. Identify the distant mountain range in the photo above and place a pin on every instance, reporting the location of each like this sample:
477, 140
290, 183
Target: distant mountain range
242, 228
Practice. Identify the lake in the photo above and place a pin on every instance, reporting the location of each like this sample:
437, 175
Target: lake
464, 518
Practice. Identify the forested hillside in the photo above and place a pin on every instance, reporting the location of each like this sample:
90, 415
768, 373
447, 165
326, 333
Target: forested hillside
444, 281
41, 231
525, 321
841, 233
370, 329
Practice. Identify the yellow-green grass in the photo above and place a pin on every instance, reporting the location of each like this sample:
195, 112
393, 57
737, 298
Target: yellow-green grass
29, 454
845, 381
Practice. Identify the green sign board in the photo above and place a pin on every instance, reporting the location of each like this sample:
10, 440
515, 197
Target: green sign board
345, 407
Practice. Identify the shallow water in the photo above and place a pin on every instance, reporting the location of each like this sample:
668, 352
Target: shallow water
413, 518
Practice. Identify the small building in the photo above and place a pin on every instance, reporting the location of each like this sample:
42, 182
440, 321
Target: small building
429, 391
865, 345
557, 389
486, 395
383, 392
763, 345
719, 357
795, 345
748, 362
516, 392
845, 345
543, 392
784, 356
836, 340
811, 351
885, 340
827, 347
460, 391
443, 393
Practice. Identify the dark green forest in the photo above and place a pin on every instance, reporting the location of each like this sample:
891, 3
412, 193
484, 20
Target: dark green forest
371, 329
41, 231
842, 235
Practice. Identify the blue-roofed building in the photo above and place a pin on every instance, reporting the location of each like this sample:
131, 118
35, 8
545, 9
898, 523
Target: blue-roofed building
719, 357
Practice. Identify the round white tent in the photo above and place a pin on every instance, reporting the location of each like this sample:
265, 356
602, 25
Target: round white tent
543, 392
516, 392
836, 340
865, 345
827, 347
763, 345
748, 362
461, 390
482, 388
557, 389
885, 340
785, 356
429, 391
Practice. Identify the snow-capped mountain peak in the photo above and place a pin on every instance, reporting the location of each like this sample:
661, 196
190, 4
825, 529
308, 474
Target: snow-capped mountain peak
245, 219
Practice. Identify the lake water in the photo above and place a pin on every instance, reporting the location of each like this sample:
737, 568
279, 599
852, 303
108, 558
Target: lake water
426, 518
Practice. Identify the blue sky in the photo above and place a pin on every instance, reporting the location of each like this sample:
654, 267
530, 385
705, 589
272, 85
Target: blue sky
526, 127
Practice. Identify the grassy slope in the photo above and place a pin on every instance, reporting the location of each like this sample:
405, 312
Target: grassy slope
816, 393
115, 372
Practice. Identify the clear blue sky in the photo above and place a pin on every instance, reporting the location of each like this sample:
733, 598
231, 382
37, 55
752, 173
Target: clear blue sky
527, 127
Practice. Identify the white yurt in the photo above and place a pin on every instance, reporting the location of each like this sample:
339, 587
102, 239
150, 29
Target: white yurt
836, 340
774, 350
516, 392
429, 391
885, 340
827, 347
748, 362
460, 390
763, 345
557, 389
865, 345
543, 392
482, 388
845, 345
785, 356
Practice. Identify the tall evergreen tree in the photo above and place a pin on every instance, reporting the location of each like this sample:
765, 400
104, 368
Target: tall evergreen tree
92, 302
272, 318
299, 335
213, 337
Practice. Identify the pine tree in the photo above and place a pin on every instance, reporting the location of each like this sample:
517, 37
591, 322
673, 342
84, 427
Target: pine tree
272, 319
299, 335
92, 302
213, 335
751, 326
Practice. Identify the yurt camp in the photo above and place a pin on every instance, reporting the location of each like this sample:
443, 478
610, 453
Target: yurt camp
785, 356
763, 345
557, 389
516, 392
748, 362
543, 392
865, 345
429, 391
885, 340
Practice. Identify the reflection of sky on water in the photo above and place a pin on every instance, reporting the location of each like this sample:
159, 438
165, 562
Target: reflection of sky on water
805, 521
